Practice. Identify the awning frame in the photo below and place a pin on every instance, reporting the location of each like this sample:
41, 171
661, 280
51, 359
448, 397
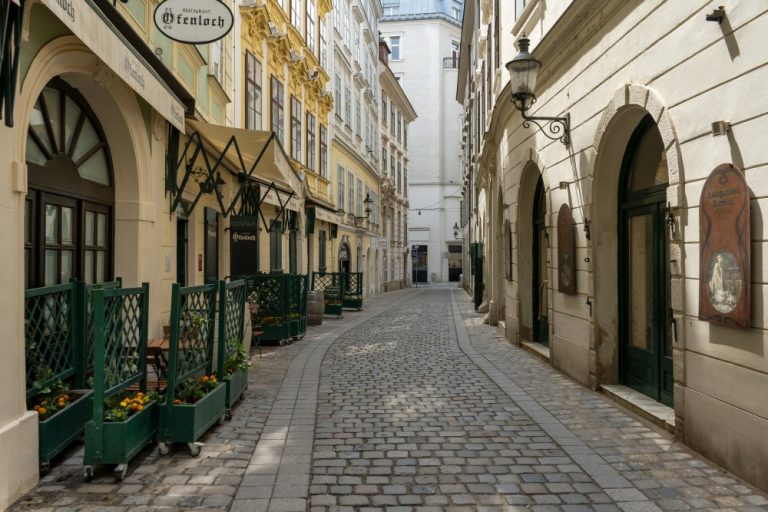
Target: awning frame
196, 145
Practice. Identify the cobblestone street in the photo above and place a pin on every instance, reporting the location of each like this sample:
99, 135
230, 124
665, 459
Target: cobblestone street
412, 404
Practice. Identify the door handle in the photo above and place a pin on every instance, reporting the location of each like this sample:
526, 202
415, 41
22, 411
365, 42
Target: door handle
542, 290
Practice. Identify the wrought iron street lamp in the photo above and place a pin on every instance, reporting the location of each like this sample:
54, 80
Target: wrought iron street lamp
367, 203
456, 230
522, 74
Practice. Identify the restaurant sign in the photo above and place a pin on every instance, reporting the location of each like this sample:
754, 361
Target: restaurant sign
724, 264
194, 21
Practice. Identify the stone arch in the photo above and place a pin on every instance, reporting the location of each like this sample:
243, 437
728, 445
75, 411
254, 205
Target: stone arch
530, 176
619, 120
122, 121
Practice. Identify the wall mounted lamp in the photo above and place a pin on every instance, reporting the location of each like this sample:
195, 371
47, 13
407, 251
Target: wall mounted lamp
367, 203
522, 73
456, 230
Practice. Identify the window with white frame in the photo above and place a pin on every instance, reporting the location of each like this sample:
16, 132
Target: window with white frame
295, 128
217, 61
323, 151
253, 119
277, 113
384, 159
296, 14
399, 127
347, 104
340, 173
337, 95
392, 123
346, 24
311, 141
519, 6
356, 39
359, 203
310, 26
383, 108
395, 48
358, 117
323, 47
350, 192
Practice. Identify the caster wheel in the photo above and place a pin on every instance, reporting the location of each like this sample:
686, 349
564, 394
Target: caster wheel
120, 471
194, 449
164, 448
45, 468
223, 419
88, 473
296, 338
227, 416
281, 343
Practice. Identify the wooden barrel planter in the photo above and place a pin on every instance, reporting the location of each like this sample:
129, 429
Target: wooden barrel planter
315, 307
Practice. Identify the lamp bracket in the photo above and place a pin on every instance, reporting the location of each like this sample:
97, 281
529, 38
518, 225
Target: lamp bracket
554, 128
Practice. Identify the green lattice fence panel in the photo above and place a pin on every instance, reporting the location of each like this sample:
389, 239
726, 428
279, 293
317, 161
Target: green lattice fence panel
120, 319
330, 283
231, 319
190, 355
270, 292
50, 316
193, 312
85, 303
353, 290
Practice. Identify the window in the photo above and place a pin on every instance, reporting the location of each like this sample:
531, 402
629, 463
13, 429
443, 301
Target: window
356, 38
347, 104
340, 191
346, 25
337, 94
399, 127
323, 151
323, 47
217, 63
311, 141
295, 128
405, 179
384, 160
296, 14
390, 10
399, 176
351, 191
276, 112
496, 33
358, 116
252, 92
359, 203
310, 35
391, 118
519, 6
392, 164
455, 50
394, 48
405, 135
383, 108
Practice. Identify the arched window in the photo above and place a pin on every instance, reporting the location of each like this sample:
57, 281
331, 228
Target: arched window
68, 217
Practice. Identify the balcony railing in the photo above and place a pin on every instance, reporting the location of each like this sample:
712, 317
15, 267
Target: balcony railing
451, 62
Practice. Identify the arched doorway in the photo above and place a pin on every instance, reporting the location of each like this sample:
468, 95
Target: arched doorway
540, 284
344, 264
644, 313
70, 198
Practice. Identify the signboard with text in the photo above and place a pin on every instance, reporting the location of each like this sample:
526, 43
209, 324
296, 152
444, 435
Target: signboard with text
193, 21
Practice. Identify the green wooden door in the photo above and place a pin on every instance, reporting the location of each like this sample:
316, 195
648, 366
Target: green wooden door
540, 288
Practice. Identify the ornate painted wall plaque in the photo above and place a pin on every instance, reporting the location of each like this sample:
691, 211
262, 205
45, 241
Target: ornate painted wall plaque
724, 267
566, 252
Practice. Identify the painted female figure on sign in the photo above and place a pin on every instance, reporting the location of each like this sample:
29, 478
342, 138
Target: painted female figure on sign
724, 281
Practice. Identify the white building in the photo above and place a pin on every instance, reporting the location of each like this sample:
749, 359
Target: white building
424, 37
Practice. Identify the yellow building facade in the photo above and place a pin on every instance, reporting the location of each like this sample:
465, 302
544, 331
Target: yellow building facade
283, 54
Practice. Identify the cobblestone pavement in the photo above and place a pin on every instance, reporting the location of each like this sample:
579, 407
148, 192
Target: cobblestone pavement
412, 405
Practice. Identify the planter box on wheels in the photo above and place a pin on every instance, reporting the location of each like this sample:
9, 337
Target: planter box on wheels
64, 427
186, 423
120, 441
236, 383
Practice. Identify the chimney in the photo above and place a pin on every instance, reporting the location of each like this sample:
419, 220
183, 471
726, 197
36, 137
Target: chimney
384, 52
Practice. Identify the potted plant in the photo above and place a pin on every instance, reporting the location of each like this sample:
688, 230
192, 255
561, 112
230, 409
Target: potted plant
62, 412
128, 423
190, 409
236, 374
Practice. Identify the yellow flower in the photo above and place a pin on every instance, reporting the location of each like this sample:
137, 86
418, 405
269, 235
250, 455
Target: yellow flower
124, 404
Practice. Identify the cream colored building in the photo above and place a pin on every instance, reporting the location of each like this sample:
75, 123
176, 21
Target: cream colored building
643, 83
397, 114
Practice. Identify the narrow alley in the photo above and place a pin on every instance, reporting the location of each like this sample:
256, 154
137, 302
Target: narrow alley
412, 404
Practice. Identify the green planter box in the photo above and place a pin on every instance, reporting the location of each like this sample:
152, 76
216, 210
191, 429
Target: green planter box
353, 303
275, 332
303, 324
118, 442
295, 328
333, 309
236, 384
64, 427
187, 422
